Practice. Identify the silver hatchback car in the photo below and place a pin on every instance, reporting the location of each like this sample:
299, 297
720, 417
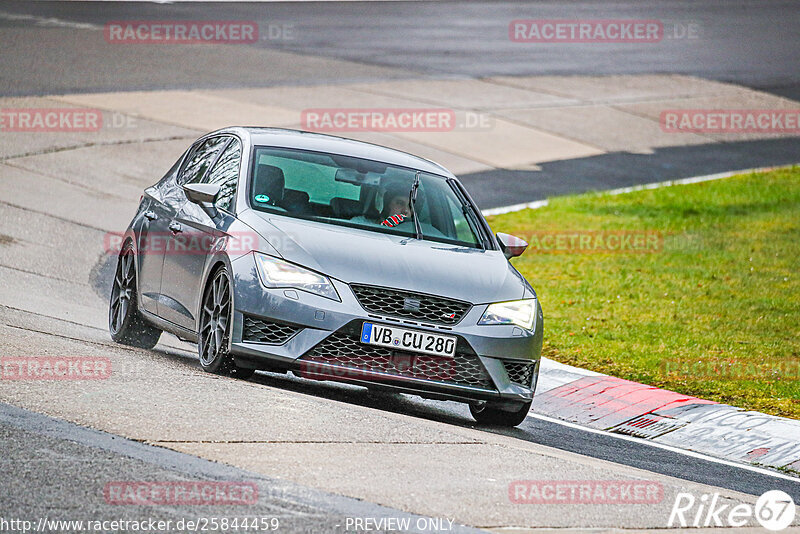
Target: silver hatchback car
335, 259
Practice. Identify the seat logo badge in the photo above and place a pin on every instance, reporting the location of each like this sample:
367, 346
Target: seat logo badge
411, 305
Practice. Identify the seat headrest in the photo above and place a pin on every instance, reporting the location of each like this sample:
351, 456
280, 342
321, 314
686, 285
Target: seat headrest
270, 182
345, 207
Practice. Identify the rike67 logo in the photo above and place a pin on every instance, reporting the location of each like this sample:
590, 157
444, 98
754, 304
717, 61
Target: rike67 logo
774, 510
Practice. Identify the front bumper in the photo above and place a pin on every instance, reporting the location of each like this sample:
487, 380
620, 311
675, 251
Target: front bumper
317, 338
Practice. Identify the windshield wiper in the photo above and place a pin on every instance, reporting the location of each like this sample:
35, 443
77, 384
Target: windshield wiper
412, 199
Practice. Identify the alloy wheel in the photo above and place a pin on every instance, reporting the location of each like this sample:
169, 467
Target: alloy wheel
122, 292
214, 320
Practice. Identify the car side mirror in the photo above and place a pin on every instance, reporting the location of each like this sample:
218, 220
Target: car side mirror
511, 246
200, 193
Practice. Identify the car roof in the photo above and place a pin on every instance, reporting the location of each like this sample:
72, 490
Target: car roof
287, 138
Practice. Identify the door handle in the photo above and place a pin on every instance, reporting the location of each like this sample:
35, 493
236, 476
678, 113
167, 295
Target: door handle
150, 215
175, 227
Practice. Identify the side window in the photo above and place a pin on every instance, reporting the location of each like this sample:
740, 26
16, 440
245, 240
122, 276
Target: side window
319, 181
201, 159
226, 174
160, 189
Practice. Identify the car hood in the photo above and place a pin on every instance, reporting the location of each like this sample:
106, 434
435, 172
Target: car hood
362, 256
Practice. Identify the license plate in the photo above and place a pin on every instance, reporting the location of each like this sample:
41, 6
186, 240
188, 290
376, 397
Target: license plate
410, 340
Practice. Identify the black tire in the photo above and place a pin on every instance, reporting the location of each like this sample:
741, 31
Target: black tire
125, 323
215, 328
487, 414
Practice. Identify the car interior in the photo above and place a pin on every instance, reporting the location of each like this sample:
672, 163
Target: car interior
352, 194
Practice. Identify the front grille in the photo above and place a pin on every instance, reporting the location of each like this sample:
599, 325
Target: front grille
519, 372
344, 350
261, 331
410, 305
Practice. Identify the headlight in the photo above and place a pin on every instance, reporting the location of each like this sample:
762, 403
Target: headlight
519, 312
279, 273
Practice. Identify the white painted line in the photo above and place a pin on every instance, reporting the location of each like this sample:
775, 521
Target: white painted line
536, 204
694, 180
655, 185
670, 448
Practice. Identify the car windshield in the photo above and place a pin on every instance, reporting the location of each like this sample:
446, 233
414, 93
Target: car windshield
359, 193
